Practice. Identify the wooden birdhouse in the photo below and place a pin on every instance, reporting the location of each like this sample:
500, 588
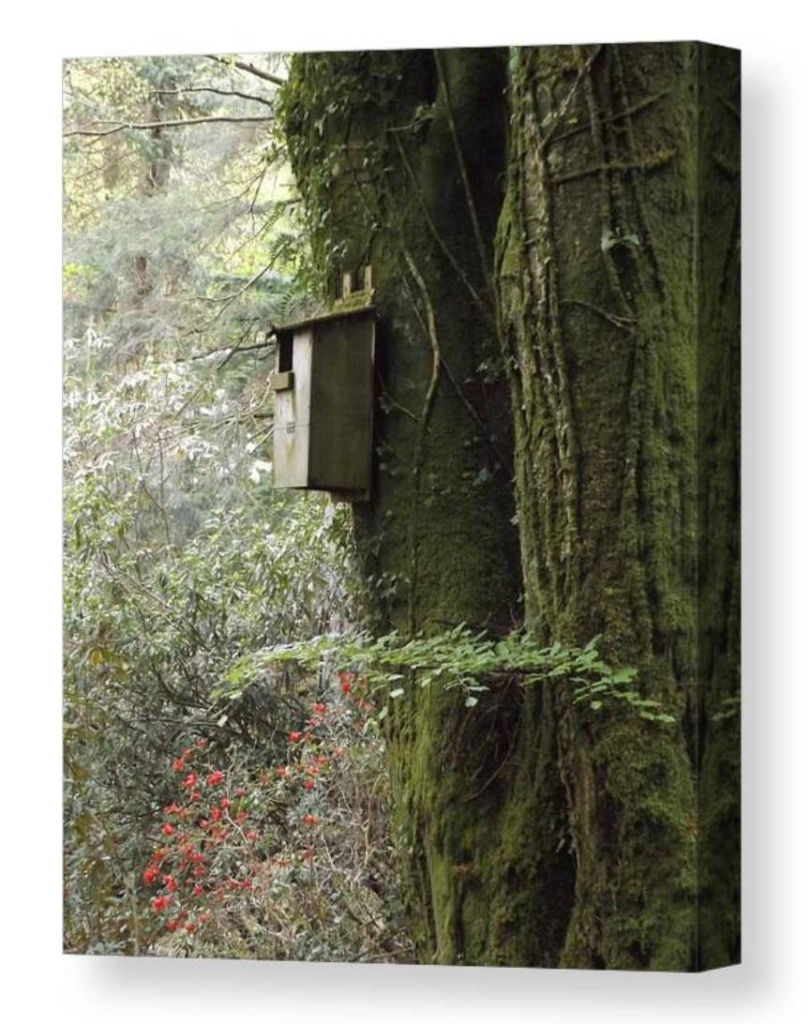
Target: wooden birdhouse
324, 385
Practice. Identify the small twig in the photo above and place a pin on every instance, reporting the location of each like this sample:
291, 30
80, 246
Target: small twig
475, 417
387, 400
584, 69
239, 291
625, 323
649, 163
621, 115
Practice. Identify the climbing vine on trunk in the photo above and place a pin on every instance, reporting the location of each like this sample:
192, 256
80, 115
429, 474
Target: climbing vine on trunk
536, 221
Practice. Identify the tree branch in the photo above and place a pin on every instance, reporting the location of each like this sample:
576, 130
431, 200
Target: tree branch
226, 348
219, 92
149, 125
252, 69
240, 291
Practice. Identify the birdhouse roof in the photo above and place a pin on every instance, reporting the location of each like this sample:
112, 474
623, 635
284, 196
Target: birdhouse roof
337, 314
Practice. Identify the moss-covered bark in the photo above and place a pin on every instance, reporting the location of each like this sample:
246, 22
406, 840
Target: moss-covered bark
415, 144
717, 722
532, 833
606, 266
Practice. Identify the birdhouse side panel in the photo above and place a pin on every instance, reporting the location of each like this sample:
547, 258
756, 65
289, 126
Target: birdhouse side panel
291, 425
342, 405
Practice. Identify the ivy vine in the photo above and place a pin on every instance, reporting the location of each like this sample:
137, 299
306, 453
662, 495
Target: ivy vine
458, 659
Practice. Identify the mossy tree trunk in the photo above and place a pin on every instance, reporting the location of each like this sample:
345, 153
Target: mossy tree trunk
532, 832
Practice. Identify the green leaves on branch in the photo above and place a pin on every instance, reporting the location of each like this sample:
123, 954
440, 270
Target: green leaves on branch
456, 659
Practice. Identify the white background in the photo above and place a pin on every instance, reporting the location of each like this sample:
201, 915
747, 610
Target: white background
40, 982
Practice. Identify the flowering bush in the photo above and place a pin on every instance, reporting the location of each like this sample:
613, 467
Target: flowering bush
289, 862
158, 603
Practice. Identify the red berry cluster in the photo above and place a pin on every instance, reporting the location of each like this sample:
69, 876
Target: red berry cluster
188, 868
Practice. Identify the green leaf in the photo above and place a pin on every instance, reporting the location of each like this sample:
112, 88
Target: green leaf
623, 675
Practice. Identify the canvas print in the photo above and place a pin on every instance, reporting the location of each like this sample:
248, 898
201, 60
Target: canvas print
401, 506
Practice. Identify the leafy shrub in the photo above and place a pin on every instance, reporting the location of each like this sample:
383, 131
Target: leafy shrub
288, 862
171, 572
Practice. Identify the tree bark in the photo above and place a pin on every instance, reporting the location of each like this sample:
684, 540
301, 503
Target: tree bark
532, 832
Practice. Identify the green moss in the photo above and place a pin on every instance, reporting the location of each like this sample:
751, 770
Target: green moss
528, 836
602, 346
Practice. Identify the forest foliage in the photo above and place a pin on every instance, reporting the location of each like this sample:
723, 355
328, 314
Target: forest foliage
182, 247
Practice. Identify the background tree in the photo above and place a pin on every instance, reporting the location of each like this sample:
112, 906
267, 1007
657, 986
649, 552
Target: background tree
571, 243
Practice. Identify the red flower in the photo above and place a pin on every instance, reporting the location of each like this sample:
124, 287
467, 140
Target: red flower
150, 874
179, 763
189, 781
171, 809
318, 709
225, 803
309, 785
216, 814
294, 736
169, 883
172, 925
283, 773
216, 778
167, 829
161, 903
310, 819
197, 890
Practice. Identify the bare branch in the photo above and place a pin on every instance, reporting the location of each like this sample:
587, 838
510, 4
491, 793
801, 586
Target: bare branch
225, 348
242, 289
150, 125
252, 69
219, 92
